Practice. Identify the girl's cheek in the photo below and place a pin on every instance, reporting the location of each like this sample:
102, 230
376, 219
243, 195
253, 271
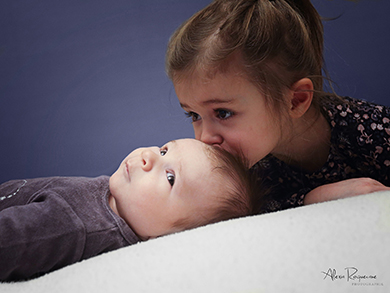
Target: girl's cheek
232, 147
197, 135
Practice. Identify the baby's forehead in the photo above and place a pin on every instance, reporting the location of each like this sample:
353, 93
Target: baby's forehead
191, 145
202, 149
196, 154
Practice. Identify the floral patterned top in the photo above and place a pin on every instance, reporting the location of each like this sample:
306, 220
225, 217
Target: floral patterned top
360, 147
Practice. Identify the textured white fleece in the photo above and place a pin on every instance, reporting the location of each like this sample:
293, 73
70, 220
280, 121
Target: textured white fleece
306, 249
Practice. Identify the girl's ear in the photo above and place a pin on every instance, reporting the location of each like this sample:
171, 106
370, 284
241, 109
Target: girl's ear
301, 94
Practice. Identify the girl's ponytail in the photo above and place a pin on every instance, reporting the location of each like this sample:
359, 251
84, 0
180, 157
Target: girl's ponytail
313, 25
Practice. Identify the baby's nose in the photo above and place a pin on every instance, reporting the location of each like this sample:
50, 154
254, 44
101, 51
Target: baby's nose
149, 158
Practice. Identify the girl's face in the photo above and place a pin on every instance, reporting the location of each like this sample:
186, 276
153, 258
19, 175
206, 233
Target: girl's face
229, 111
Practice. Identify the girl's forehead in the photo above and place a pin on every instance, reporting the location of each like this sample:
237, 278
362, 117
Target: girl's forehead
206, 71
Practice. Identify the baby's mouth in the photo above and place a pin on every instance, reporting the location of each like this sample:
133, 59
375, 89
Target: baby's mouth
127, 170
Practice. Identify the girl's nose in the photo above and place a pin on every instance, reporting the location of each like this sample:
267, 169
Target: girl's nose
149, 159
208, 135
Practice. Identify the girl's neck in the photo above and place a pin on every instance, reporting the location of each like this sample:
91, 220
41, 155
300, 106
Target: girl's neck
308, 145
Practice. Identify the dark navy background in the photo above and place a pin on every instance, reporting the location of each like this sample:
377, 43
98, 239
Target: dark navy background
82, 83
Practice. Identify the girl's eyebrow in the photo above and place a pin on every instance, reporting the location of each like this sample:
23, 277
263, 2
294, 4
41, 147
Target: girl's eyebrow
217, 101
211, 101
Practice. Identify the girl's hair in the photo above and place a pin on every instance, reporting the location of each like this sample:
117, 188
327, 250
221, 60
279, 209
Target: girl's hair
238, 195
278, 42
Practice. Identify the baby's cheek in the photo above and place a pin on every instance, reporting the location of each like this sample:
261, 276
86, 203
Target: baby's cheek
113, 183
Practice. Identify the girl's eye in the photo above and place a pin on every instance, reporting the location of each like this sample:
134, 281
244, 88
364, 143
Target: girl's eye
163, 151
194, 117
223, 114
171, 177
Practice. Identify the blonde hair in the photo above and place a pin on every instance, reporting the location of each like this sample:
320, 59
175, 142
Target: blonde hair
278, 42
238, 196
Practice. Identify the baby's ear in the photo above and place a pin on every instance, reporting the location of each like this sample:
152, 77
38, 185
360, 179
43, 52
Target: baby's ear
301, 94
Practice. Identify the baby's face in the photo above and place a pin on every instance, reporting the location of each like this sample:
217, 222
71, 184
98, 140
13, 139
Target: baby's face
155, 187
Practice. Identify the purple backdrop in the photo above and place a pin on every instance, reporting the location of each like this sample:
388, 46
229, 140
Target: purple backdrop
82, 83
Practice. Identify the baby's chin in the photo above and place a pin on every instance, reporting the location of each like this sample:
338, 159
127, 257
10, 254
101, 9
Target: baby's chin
112, 203
112, 184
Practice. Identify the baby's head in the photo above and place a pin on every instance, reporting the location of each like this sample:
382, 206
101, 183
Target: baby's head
182, 185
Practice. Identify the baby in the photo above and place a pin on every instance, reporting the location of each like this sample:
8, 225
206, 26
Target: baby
48, 223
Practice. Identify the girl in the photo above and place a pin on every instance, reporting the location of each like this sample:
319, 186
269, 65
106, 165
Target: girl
249, 74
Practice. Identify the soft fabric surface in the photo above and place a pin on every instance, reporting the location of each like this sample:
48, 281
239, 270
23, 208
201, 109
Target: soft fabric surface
305, 249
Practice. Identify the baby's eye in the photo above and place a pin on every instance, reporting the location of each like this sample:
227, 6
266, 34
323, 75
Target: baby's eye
163, 151
171, 177
194, 116
223, 114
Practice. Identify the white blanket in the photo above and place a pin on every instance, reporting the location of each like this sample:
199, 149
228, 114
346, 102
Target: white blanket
338, 246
